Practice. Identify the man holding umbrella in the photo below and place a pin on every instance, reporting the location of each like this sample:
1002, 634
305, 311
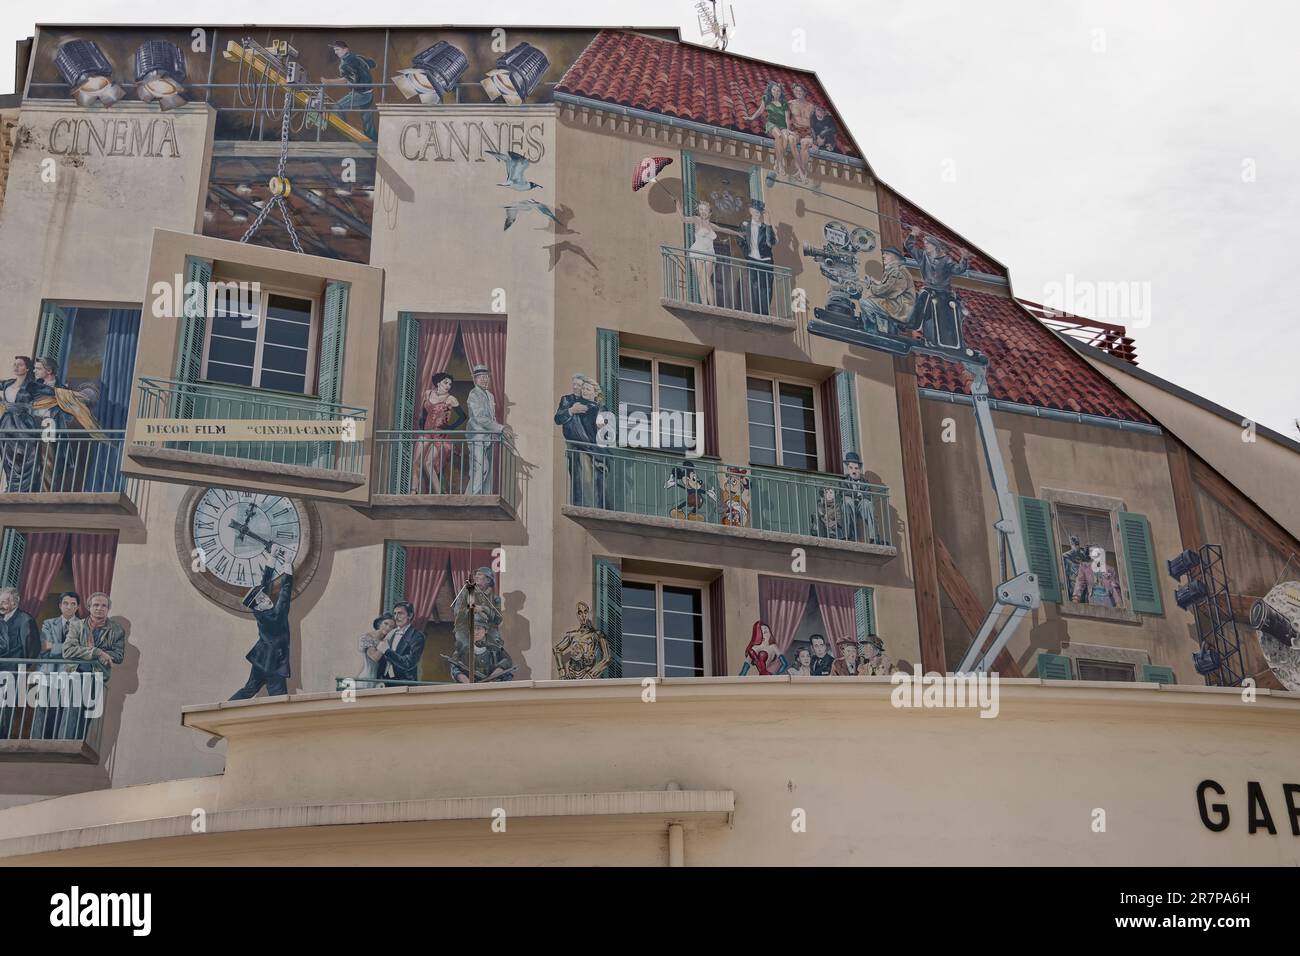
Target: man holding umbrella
269, 657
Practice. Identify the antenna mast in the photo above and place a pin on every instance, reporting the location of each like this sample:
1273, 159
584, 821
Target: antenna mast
714, 27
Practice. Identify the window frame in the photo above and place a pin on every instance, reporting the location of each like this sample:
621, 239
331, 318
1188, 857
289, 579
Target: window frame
776, 380
659, 584
655, 358
1080, 501
310, 383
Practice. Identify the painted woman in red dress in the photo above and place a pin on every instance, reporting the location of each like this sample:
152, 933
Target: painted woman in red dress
433, 452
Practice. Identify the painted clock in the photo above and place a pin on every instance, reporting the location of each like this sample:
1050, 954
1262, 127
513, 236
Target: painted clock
226, 538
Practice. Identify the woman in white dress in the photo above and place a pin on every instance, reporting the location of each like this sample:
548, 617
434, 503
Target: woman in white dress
368, 645
701, 252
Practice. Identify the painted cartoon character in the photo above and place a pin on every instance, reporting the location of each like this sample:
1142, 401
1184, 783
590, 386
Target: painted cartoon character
687, 477
827, 515
735, 497
762, 656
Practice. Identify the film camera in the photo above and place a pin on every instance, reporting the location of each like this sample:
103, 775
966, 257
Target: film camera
837, 259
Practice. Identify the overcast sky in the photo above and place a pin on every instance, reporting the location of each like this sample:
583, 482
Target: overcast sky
1145, 147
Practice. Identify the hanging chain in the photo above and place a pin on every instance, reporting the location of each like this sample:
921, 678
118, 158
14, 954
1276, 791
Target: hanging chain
278, 199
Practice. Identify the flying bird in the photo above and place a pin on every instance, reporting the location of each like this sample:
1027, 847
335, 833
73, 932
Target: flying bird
513, 210
516, 171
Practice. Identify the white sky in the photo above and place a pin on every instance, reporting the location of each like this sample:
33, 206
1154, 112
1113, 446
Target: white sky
1106, 141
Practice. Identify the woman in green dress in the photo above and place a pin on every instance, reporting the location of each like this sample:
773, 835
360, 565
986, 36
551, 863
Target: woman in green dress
775, 109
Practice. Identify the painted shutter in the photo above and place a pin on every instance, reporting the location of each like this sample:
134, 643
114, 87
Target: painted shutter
1143, 579
12, 546
1158, 674
622, 472
50, 336
334, 329
394, 574
864, 607
846, 397
400, 448
189, 348
688, 230
607, 366
717, 628
1040, 545
609, 610
1054, 667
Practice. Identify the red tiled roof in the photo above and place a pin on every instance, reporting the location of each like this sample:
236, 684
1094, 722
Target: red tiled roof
688, 82
1027, 364
913, 216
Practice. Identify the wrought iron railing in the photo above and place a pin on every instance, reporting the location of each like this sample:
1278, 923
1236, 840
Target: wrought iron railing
63, 460
49, 698
724, 282
813, 504
165, 398
448, 463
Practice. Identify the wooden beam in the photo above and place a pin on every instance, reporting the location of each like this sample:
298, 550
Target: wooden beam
920, 522
1245, 510
1190, 529
969, 606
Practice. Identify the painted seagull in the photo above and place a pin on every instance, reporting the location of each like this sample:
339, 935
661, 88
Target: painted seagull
516, 171
515, 208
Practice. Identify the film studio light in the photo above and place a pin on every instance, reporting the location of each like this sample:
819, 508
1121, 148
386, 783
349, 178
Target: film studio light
434, 73
160, 74
1183, 564
517, 74
87, 72
1190, 594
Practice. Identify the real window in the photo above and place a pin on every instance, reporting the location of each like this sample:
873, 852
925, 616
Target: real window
663, 630
782, 423
266, 343
665, 391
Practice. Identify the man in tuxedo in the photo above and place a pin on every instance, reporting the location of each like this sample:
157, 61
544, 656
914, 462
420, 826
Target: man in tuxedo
54, 633
269, 657
403, 647
482, 428
757, 240
18, 639
571, 417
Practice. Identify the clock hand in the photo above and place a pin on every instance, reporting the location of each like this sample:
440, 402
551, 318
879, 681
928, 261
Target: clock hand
245, 531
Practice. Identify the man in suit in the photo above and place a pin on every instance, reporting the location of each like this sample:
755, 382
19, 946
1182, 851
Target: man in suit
571, 417
269, 657
757, 240
95, 640
402, 649
54, 633
18, 640
482, 428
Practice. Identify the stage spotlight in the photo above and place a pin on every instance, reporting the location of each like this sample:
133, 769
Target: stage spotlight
1190, 594
434, 72
160, 74
87, 72
1184, 563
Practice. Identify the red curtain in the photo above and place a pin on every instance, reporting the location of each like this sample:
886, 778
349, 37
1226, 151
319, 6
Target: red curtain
42, 557
93, 556
465, 561
426, 570
783, 603
485, 344
835, 601
830, 401
437, 340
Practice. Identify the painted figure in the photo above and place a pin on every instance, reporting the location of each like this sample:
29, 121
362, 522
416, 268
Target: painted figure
889, 300
482, 426
596, 419
828, 514
478, 600
757, 240
269, 657
801, 133
401, 649
701, 252
94, 640
54, 634
846, 665
938, 310
18, 640
775, 111
762, 655
1097, 587
1074, 557
440, 411
823, 129
491, 662
569, 416
582, 653
822, 659
857, 502
802, 666
368, 646
686, 477
354, 73
875, 662
20, 427
736, 508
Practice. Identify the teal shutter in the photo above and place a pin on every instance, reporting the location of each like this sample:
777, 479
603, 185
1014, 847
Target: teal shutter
1158, 674
189, 349
394, 574
1054, 667
607, 366
622, 471
1139, 556
50, 336
846, 395
688, 231
12, 546
609, 610
864, 606
1040, 545
400, 448
334, 329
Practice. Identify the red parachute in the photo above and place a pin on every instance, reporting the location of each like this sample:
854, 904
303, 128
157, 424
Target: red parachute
647, 170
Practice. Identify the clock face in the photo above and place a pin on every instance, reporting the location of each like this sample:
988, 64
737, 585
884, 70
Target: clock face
240, 533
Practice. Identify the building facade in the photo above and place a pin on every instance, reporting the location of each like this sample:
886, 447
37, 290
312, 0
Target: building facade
542, 332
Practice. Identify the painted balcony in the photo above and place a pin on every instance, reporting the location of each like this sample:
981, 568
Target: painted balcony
60, 731
697, 283
445, 474
75, 473
322, 465
648, 492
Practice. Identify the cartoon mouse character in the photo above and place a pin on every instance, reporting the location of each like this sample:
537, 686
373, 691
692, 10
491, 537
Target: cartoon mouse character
686, 477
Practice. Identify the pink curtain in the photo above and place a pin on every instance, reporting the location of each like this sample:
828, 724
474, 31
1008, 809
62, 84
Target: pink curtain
835, 601
426, 570
783, 604
93, 556
464, 561
42, 558
485, 344
437, 340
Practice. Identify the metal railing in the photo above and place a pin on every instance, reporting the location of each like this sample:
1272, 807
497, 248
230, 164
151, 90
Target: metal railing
166, 398
58, 688
724, 282
812, 504
70, 460
448, 463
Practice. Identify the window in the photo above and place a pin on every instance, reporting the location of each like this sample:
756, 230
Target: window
663, 630
275, 353
1089, 560
1104, 670
782, 424
651, 385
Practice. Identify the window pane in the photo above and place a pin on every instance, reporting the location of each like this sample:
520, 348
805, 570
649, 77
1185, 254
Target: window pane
231, 351
288, 308
759, 394
1105, 670
634, 383
233, 327
278, 358
280, 332
797, 407
640, 658
230, 374
682, 600
636, 594
284, 382
762, 445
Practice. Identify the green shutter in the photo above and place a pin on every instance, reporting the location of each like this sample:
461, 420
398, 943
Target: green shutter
1143, 579
400, 449
334, 329
193, 319
1158, 674
1054, 667
12, 546
609, 610
1040, 545
607, 366
50, 336
394, 574
688, 230
864, 606
846, 395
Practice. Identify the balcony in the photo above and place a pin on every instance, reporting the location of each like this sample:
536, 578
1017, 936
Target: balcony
59, 730
326, 466
76, 472
445, 474
697, 283
648, 492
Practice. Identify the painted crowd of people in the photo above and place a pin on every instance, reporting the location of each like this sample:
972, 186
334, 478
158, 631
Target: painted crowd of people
816, 657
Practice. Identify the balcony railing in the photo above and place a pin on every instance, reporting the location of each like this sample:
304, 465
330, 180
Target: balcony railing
165, 398
71, 461
722, 282
448, 463
61, 721
637, 482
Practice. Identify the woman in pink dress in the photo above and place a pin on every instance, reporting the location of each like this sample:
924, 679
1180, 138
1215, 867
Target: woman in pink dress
437, 410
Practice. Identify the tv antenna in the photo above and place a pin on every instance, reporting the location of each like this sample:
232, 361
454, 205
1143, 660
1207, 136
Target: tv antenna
714, 27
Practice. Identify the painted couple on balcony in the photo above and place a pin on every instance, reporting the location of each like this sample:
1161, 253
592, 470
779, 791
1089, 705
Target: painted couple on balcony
439, 454
581, 415
34, 459
757, 238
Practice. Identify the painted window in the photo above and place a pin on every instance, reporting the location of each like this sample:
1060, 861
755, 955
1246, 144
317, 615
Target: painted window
663, 629
666, 391
1104, 670
267, 343
1098, 583
782, 423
